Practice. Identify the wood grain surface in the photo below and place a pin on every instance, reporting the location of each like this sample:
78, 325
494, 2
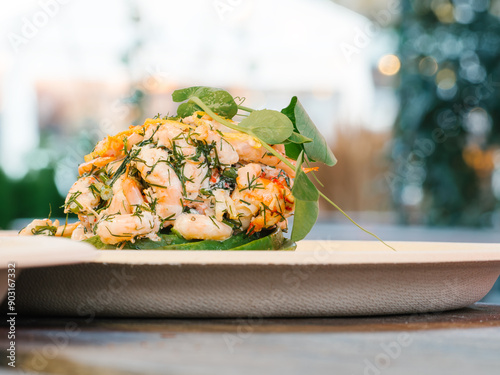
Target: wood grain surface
465, 341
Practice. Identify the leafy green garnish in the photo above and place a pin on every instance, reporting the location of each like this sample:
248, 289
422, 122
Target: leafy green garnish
292, 127
318, 149
306, 202
46, 230
219, 100
271, 126
298, 138
264, 240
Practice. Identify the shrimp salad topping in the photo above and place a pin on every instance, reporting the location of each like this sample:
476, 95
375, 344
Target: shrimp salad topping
192, 175
199, 177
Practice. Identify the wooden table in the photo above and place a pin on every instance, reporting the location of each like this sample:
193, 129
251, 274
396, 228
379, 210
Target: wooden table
464, 341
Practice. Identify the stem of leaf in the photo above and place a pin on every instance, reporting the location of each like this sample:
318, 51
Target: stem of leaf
352, 221
314, 176
246, 109
212, 114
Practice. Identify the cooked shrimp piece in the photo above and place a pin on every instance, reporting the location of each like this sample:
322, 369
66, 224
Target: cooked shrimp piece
245, 210
96, 163
175, 136
265, 202
114, 145
111, 146
201, 227
126, 195
166, 188
251, 150
40, 226
107, 150
223, 149
133, 139
195, 176
88, 221
224, 204
247, 175
82, 197
205, 119
66, 230
81, 233
113, 166
201, 206
114, 229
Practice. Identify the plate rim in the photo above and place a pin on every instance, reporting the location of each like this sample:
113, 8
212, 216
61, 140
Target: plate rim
308, 253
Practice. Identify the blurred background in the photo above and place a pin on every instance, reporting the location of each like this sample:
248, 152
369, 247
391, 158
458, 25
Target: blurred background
406, 92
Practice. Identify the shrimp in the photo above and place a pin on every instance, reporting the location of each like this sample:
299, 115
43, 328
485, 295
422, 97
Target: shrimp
113, 166
173, 135
165, 194
251, 150
112, 148
46, 227
96, 163
272, 201
81, 233
206, 120
201, 227
223, 149
113, 229
40, 226
88, 221
224, 204
248, 174
196, 177
66, 230
133, 139
126, 195
82, 196
245, 209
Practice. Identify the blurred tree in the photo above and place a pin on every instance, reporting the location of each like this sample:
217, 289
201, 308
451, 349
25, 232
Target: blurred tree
33, 196
449, 120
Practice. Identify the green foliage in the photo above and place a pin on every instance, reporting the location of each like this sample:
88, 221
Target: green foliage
449, 71
31, 196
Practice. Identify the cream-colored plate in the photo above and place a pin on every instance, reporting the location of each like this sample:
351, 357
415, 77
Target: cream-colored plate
320, 278
30, 251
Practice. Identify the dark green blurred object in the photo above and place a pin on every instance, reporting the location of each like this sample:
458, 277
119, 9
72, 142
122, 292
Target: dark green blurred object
449, 91
30, 197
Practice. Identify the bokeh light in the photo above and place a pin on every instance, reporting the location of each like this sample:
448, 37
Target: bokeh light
428, 66
389, 65
446, 79
443, 10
